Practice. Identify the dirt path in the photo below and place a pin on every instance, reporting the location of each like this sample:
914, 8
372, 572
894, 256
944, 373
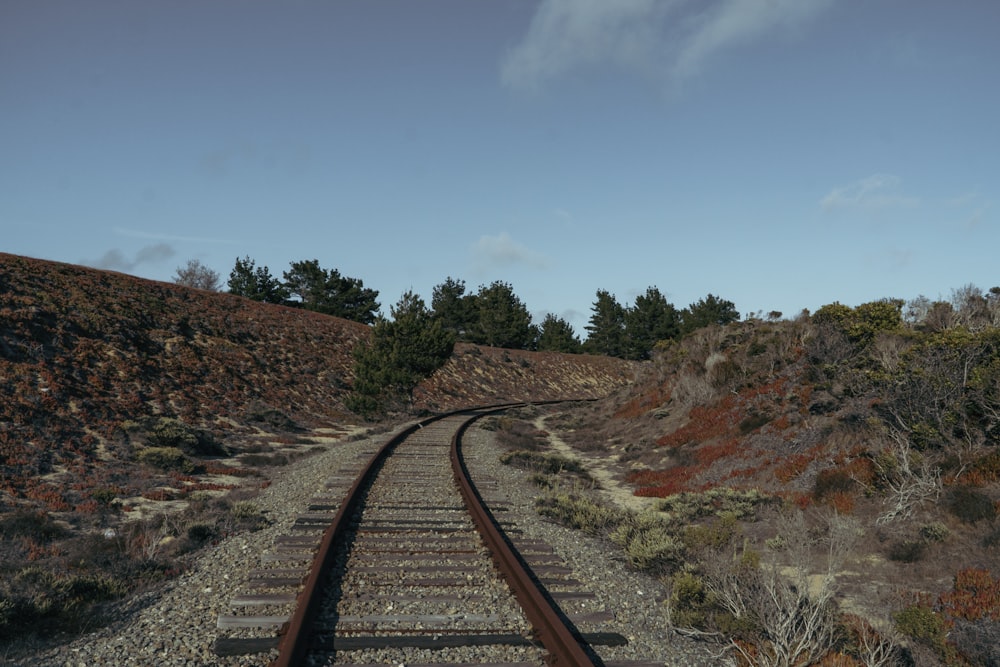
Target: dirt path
600, 469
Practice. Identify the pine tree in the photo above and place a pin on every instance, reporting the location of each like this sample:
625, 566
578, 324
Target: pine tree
402, 352
255, 283
607, 326
327, 291
503, 320
649, 321
557, 335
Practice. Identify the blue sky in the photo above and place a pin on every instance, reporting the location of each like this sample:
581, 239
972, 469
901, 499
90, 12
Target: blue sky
782, 154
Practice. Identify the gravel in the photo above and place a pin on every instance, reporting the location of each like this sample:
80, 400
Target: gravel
175, 624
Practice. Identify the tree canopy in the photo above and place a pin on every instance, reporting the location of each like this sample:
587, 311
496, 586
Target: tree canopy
607, 326
327, 291
503, 319
707, 311
402, 351
649, 321
256, 283
557, 335
454, 308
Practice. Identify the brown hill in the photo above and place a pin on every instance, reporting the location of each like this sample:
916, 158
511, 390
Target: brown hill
87, 355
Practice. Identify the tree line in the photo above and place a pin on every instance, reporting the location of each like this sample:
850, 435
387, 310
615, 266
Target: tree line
493, 315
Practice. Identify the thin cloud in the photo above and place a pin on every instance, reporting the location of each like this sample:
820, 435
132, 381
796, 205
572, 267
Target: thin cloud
116, 260
649, 36
878, 191
733, 23
494, 252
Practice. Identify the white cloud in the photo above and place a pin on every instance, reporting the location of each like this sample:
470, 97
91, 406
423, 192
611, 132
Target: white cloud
492, 252
878, 191
651, 36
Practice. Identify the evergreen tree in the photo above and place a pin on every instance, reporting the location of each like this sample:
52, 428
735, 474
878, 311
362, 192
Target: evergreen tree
607, 326
326, 291
557, 335
502, 319
649, 321
707, 311
454, 308
255, 283
402, 351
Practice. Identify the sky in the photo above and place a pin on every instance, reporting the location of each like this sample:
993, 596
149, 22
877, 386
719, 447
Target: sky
781, 154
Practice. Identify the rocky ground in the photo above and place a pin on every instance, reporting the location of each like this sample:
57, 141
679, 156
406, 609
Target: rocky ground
176, 624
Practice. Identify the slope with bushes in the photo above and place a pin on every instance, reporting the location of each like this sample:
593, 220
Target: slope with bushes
835, 478
138, 419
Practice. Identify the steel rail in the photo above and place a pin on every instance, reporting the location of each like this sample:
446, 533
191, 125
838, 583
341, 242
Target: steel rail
294, 643
564, 647
562, 644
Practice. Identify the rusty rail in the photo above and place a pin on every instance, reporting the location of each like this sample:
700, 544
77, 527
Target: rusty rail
294, 643
564, 647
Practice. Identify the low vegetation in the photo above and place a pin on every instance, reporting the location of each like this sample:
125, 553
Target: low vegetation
815, 478
139, 419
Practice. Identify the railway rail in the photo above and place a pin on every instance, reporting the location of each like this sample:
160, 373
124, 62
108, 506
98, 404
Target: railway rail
404, 557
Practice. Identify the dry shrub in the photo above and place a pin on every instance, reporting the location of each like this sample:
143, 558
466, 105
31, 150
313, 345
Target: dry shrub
970, 505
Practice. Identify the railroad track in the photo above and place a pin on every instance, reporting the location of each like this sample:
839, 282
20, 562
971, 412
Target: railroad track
403, 560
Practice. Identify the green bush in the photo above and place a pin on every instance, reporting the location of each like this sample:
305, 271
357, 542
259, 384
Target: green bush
689, 600
919, 622
34, 599
167, 432
713, 536
687, 506
934, 532
831, 481
577, 511
37, 525
550, 464
649, 542
166, 458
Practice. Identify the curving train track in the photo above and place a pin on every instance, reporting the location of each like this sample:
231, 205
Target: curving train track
404, 559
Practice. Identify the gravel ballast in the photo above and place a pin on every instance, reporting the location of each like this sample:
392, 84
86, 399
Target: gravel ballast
175, 624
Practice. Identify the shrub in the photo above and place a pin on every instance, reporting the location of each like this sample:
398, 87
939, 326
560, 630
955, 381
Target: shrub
970, 505
35, 599
921, 623
199, 533
166, 458
684, 507
907, 551
578, 511
37, 525
551, 464
689, 600
831, 481
649, 541
167, 432
712, 536
520, 435
272, 417
934, 532
244, 509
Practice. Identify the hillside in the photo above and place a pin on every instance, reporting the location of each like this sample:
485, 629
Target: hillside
82, 352
126, 402
762, 440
